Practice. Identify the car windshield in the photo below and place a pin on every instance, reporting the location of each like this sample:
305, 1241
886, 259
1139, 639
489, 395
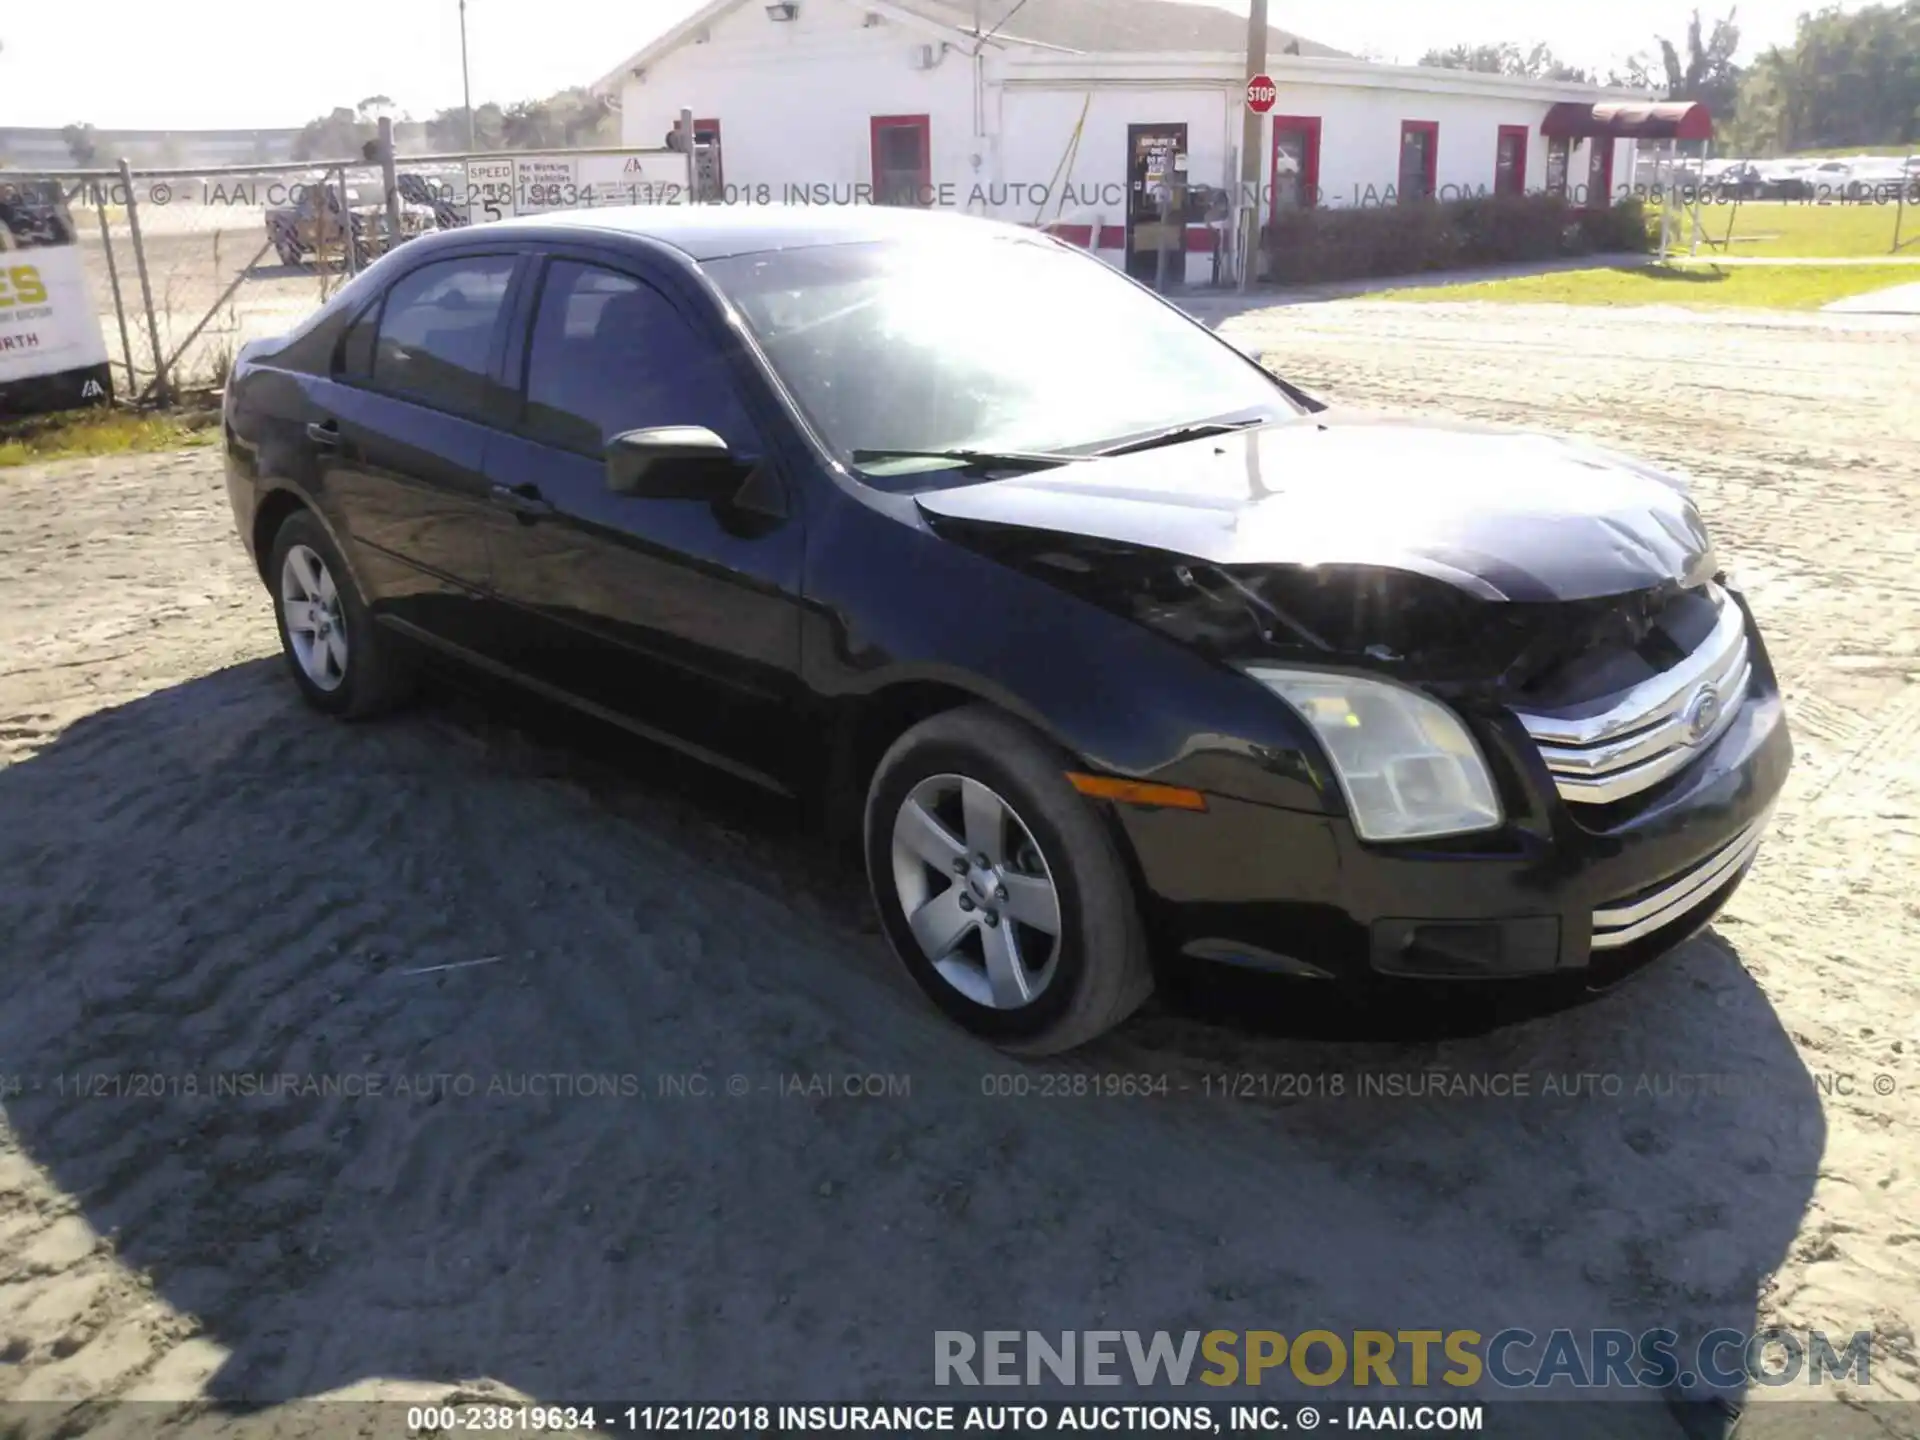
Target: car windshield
984, 347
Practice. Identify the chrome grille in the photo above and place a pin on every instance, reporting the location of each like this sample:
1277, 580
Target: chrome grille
1655, 729
1624, 921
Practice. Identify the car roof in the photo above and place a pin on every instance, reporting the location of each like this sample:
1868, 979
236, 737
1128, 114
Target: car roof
710, 232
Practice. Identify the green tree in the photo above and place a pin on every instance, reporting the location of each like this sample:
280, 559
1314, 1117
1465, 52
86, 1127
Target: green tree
1635, 72
1706, 73
565, 120
1504, 57
81, 144
1848, 79
335, 136
447, 130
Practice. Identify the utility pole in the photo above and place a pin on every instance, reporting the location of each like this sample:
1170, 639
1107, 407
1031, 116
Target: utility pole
466, 86
1252, 126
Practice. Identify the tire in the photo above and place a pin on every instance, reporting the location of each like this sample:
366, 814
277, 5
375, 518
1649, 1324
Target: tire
1071, 986
343, 663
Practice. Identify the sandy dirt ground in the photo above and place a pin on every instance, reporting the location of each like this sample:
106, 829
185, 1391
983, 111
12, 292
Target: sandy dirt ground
204, 887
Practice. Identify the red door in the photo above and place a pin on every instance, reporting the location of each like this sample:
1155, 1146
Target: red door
902, 160
1295, 173
707, 133
1419, 159
1510, 161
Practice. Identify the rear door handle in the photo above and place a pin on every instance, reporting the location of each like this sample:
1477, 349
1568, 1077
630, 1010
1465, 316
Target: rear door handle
324, 433
526, 501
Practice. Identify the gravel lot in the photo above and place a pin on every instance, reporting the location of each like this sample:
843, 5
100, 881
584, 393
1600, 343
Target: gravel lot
199, 879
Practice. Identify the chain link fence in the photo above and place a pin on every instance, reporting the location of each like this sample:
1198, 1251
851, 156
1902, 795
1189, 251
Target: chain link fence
186, 266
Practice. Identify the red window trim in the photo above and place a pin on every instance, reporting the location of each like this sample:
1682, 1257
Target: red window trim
1518, 132
720, 158
1310, 164
923, 124
1431, 128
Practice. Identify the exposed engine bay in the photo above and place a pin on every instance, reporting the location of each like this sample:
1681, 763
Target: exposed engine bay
1542, 655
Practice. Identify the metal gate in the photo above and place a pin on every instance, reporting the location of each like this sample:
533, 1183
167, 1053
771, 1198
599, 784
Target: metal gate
186, 265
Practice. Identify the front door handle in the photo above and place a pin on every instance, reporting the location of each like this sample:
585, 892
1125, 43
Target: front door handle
523, 500
324, 433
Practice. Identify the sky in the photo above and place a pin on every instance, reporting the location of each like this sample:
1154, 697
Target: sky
210, 64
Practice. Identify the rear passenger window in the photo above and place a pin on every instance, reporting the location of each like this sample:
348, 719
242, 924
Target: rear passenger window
610, 354
436, 332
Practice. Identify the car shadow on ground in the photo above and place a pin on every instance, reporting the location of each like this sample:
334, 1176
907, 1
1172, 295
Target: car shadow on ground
455, 1046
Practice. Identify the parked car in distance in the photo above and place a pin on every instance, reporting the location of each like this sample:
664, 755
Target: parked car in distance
321, 216
1880, 181
1117, 651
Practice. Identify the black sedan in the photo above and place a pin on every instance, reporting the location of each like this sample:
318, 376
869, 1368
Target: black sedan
1121, 652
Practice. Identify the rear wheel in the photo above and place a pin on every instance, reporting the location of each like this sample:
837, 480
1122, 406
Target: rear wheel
999, 888
342, 662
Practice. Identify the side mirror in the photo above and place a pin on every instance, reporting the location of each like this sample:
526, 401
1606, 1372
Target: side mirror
672, 462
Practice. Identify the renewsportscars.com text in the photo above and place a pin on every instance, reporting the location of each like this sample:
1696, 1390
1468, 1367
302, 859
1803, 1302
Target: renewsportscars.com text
1512, 1359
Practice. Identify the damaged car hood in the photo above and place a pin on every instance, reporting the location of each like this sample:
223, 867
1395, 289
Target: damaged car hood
1501, 514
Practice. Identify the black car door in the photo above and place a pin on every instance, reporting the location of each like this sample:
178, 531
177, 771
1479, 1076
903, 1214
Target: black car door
402, 441
679, 614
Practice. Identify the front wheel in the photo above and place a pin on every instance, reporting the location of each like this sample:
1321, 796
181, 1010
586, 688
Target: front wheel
998, 886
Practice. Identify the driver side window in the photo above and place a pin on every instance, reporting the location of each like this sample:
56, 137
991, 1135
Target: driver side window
610, 354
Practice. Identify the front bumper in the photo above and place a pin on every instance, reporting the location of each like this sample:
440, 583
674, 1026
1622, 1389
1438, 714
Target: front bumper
1562, 889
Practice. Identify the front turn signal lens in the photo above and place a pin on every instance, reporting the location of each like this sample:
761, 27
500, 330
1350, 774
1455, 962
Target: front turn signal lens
1137, 792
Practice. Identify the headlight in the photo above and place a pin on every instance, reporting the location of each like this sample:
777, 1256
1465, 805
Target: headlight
1406, 764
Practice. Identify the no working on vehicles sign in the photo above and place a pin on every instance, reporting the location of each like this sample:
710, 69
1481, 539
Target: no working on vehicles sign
531, 184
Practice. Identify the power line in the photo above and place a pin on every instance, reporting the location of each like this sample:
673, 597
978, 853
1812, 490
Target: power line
980, 40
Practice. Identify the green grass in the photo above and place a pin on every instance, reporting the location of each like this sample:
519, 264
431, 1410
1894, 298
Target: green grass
98, 432
1785, 287
1788, 227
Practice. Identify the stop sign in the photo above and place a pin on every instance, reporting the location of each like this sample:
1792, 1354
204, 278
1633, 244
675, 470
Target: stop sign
1261, 93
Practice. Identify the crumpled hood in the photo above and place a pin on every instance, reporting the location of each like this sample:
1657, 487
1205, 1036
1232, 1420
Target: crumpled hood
1502, 514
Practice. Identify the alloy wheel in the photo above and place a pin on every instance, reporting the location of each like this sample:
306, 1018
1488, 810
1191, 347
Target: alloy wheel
316, 626
976, 891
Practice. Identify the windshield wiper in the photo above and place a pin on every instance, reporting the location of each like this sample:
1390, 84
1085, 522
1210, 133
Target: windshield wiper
973, 459
1176, 434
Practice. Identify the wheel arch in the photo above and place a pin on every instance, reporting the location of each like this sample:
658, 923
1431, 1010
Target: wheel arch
268, 516
871, 722
273, 510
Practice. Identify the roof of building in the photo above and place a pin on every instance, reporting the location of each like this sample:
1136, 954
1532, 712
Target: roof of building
1111, 26
709, 232
1080, 26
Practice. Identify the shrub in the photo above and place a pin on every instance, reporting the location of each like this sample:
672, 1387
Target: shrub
1624, 226
1348, 244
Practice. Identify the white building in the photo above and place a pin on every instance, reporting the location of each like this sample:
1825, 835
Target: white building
1067, 112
